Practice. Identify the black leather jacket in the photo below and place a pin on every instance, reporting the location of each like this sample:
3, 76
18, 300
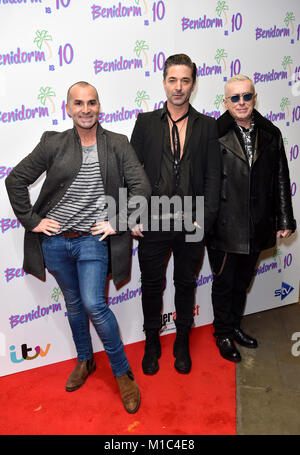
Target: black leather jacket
256, 202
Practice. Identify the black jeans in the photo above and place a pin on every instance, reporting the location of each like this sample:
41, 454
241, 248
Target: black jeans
154, 250
233, 274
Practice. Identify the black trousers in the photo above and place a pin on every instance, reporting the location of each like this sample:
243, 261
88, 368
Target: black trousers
233, 274
154, 251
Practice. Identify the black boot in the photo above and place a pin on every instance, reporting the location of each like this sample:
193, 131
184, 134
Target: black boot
152, 352
183, 362
243, 339
227, 349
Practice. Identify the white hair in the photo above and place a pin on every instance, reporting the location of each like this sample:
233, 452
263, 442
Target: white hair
239, 77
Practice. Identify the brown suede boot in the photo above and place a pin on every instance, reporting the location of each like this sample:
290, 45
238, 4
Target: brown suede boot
78, 376
130, 393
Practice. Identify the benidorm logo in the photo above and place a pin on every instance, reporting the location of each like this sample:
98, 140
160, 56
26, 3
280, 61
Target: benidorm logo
7, 224
119, 115
11, 273
122, 63
269, 76
18, 2
284, 114
116, 11
285, 290
23, 113
277, 32
218, 103
34, 314
206, 22
209, 70
21, 56
273, 75
127, 295
38, 312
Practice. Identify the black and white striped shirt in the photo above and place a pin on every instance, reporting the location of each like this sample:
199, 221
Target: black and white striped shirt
84, 201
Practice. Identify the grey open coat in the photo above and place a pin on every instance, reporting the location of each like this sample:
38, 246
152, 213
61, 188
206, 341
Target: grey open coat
60, 155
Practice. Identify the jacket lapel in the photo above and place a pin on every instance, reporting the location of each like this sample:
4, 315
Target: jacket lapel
257, 148
231, 142
102, 154
263, 139
191, 119
157, 145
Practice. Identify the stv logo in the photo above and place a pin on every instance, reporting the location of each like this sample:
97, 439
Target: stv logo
285, 290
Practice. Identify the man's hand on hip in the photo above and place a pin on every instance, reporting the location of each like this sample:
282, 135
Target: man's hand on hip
102, 227
47, 226
137, 230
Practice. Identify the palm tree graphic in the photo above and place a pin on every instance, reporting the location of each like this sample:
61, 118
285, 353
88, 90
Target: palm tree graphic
221, 55
45, 95
141, 97
42, 36
222, 7
277, 254
218, 101
55, 294
141, 46
285, 143
285, 102
286, 62
289, 19
137, 2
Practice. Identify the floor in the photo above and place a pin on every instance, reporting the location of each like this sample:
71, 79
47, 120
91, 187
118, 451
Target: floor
268, 378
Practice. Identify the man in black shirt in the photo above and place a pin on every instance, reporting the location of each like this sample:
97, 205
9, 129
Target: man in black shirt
255, 208
179, 150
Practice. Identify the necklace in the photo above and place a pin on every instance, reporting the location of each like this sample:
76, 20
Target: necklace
176, 134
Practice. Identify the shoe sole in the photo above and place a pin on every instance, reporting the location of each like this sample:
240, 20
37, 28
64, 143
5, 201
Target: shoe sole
137, 406
182, 371
150, 372
237, 360
246, 346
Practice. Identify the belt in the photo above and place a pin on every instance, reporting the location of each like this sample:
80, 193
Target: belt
73, 234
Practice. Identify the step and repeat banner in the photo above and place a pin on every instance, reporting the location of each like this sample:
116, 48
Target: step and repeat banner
120, 47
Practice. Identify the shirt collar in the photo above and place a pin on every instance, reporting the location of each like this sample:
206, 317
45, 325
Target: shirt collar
164, 110
242, 129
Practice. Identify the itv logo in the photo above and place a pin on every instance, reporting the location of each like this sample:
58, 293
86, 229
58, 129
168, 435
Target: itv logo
285, 290
25, 353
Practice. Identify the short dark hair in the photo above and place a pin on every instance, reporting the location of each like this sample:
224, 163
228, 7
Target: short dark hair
81, 84
180, 59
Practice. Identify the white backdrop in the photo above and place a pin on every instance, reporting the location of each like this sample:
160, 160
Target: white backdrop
120, 47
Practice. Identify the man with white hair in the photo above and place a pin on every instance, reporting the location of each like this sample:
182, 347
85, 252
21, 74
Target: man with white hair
255, 208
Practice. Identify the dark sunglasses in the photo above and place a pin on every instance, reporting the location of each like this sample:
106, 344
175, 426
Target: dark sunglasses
236, 98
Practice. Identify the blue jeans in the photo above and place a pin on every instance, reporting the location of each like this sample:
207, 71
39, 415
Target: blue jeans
79, 266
